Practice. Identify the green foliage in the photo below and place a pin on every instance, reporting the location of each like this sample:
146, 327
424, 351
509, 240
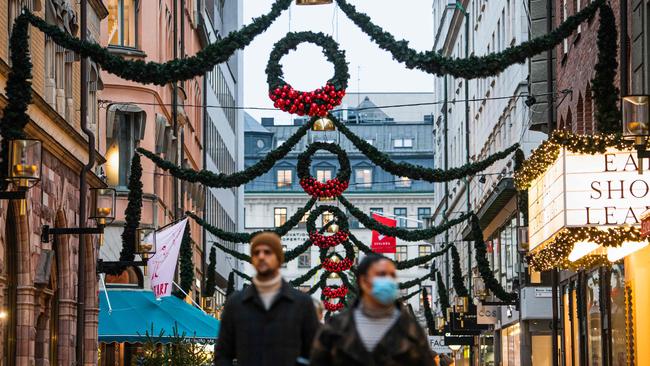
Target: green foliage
443, 296
177, 349
274, 74
419, 261
413, 282
231, 284
606, 94
472, 67
457, 275
211, 278
339, 216
305, 158
174, 70
186, 264
221, 180
428, 314
133, 211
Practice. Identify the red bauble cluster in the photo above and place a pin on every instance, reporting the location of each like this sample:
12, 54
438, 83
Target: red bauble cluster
325, 242
336, 267
314, 103
332, 293
331, 188
330, 306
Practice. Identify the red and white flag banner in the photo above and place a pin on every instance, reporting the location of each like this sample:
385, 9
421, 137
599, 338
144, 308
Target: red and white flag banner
382, 243
163, 263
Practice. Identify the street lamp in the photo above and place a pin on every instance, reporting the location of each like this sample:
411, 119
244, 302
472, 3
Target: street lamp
144, 246
102, 211
24, 165
440, 323
636, 124
461, 305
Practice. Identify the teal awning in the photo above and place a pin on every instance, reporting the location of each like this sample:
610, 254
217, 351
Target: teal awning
135, 312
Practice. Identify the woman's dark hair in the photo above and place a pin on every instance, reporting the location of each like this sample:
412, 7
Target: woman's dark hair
364, 266
446, 360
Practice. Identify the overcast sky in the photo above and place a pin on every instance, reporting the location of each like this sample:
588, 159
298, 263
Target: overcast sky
371, 69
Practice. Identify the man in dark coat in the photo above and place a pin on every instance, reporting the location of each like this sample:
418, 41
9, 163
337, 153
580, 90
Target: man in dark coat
376, 331
269, 323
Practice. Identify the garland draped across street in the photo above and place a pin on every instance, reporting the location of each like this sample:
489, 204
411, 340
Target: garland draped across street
170, 71
433, 62
443, 296
457, 275
417, 172
221, 180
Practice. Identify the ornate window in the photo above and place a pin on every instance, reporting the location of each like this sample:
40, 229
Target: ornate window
122, 23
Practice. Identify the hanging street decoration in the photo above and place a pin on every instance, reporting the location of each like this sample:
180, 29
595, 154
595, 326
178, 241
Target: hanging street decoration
332, 187
340, 235
312, 103
382, 243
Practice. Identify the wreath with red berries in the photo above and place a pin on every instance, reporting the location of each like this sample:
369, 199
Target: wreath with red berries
333, 306
333, 187
335, 292
312, 103
323, 241
341, 264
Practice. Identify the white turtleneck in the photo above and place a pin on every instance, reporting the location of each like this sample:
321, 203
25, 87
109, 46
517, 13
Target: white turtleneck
268, 290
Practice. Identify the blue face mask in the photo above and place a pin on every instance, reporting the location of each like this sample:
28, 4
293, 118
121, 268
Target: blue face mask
384, 290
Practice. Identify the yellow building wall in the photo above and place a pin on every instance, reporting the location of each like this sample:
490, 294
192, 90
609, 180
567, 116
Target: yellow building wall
637, 273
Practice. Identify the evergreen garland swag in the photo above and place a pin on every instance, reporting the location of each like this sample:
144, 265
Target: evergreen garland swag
211, 280
443, 296
221, 180
433, 62
418, 172
186, 264
606, 94
333, 187
170, 71
320, 240
314, 103
457, 275
428, 314
404, 234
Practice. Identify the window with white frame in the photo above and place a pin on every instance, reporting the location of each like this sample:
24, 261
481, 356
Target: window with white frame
323, 175
401, 253
423, 251
284, 178
403, 143
363, 177
280, 216
122, 22
400, 215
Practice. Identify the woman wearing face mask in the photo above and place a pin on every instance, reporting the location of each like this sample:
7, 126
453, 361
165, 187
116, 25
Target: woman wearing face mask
376, 331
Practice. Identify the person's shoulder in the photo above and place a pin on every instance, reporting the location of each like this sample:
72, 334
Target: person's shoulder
236, 297
300, 296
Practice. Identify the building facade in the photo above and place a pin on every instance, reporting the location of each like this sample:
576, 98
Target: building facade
478, 118
38, 281
223, 136
275, 196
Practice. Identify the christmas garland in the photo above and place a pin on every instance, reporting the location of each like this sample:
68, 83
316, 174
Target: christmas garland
221, 180
340, 264
18, 91
363, 248
555, 253
409, 296
133, 212
314, 103
186, 264
234, 253
211, 278
606, 94
306, 277
443, 296
548, 152
243, 275
346, 281
418, 172
335, 291
174, 70
404, 234
480, 253
231, 284
333, 187
236, 237
471, 67
413, 282
457, 275
428, 314
320, 284
409, 263
522, 196
321, 240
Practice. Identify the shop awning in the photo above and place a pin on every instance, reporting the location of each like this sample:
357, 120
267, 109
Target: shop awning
136, 312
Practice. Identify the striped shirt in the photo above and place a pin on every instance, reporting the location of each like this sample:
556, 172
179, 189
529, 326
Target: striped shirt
372, 330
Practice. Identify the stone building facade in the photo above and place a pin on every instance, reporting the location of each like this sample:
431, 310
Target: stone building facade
38, 281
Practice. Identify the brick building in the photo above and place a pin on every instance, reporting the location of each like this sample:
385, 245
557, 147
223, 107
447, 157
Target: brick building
38, 281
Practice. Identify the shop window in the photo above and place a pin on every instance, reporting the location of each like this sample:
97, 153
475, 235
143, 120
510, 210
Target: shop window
617, 304
594, 325
122, 22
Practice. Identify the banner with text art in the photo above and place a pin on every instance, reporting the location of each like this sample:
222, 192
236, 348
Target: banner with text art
163, 263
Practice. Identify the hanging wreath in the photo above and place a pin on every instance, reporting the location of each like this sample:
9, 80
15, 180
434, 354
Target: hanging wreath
336, 264
312, 103
332, 306
333, 187
335, 292
321, 240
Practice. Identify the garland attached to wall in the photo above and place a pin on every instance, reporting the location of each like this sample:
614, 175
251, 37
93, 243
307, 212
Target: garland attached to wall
457, 275
133, 212
331, 188
230, 288
171, 71
221, 180
428, 314
548, 152
211, 277
418, 172
186, 264
409, 296
312, 103
606, 94
236, 237
443, 296
522, 196
555, 253
433, 62
480, 254
404, 234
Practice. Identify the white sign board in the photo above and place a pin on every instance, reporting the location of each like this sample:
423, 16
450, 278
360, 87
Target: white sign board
487, 314
543, 292
580, 190
437, 344
163, 263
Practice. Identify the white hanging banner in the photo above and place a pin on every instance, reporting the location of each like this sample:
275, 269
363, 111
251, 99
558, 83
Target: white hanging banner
163, 263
